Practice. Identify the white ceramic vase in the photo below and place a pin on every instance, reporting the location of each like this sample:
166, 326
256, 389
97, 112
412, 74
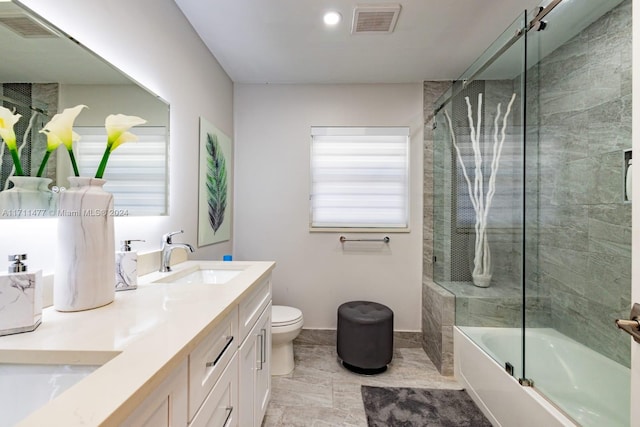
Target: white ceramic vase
480, 262
482, 280
85, 263
29, 197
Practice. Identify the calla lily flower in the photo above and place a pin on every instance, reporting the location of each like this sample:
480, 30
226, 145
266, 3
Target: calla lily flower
117, 126
7, 120
59, 131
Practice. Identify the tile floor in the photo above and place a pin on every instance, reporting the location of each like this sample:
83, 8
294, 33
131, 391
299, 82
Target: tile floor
320, 392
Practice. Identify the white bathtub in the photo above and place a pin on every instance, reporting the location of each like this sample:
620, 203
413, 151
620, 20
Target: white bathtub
590, 388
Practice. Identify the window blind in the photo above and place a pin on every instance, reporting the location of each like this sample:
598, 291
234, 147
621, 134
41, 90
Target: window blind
137, 171
359, 177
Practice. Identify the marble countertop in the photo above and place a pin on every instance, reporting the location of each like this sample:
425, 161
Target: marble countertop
143, 335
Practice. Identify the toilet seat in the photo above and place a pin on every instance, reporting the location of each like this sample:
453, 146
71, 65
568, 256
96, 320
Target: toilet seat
282, 315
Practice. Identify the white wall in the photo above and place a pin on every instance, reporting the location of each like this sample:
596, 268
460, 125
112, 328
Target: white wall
313, 271
152, 42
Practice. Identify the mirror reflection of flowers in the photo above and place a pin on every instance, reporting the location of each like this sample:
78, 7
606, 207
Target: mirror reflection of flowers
117, 126
7, 120
59, 132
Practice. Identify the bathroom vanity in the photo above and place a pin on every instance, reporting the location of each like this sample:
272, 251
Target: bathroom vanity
173, 352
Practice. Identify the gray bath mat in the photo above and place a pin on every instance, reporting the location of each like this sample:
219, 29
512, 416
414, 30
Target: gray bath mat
420, 407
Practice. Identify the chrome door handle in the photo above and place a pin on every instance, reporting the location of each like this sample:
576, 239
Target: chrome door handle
263, 332
226, 420
632, 327
226, 346
259, 362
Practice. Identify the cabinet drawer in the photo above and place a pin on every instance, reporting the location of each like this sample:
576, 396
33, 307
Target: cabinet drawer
252, 306
220, 408
209, 359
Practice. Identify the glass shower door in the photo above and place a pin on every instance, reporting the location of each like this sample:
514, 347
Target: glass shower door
577, 222
478, 198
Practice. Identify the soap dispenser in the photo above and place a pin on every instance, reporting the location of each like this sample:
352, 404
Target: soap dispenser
20, 298
126, 267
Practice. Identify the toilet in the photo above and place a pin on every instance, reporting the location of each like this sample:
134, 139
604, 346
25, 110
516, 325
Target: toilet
286, 324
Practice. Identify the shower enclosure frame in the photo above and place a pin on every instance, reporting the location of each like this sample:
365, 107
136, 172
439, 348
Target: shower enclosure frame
530, 226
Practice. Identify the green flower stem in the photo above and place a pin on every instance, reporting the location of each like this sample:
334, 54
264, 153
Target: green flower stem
16, 162
73, 163
103, 163
44, 163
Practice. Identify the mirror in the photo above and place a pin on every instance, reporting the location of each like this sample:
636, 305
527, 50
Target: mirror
42, 72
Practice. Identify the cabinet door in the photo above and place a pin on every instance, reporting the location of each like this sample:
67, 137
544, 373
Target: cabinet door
255, 371
263, 375
247, 371
166, 406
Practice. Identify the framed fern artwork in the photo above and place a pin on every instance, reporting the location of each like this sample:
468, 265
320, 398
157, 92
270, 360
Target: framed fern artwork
214, 198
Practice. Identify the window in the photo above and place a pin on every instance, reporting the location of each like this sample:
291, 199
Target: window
359, 178
136, 173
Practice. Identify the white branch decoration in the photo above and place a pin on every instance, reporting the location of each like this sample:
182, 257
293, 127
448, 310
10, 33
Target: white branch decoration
481, 202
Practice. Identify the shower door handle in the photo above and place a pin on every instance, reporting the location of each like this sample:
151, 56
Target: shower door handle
632, 326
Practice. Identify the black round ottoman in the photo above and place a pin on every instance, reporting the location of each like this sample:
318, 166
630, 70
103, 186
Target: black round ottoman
365, 336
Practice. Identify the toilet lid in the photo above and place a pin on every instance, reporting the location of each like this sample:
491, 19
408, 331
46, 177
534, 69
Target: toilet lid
281, 315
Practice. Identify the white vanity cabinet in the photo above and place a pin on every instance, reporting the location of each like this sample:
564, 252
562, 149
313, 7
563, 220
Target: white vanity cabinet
170, 354
241, 394
226, 379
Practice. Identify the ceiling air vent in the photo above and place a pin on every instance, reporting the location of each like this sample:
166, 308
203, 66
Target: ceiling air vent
375, 18
26, 26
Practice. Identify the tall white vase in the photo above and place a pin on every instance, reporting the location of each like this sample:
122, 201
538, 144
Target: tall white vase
85, 263
480, 260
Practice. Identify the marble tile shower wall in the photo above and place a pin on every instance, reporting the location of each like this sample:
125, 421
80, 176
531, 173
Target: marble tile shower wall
584, 246
437, 303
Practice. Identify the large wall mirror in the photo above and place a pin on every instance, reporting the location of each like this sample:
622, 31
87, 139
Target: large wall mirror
42, 72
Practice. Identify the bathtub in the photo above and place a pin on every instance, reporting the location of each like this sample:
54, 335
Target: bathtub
587, 388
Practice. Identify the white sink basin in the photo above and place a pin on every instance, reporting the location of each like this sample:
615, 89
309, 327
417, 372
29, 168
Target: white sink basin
202, 276
25, 387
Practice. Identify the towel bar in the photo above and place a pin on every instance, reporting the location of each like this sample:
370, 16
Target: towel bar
385, 239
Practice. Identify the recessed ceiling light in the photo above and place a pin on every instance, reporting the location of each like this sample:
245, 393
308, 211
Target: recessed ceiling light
332, 18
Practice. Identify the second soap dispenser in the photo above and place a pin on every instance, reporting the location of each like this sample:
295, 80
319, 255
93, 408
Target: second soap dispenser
20, 298
126, 267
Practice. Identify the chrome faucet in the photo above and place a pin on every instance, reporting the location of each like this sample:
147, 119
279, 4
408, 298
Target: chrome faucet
168, 246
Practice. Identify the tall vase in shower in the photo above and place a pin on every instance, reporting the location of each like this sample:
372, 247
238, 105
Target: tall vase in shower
85, 263
480, 259
29, 197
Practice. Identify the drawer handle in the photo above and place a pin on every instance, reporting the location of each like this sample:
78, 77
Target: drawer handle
264, 345
226, 420
259, 362
226, 346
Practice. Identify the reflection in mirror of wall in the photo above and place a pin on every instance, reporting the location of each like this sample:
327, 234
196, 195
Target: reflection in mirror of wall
43, 72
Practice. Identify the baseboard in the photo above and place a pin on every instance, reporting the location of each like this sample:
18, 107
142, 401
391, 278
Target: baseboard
401, 339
